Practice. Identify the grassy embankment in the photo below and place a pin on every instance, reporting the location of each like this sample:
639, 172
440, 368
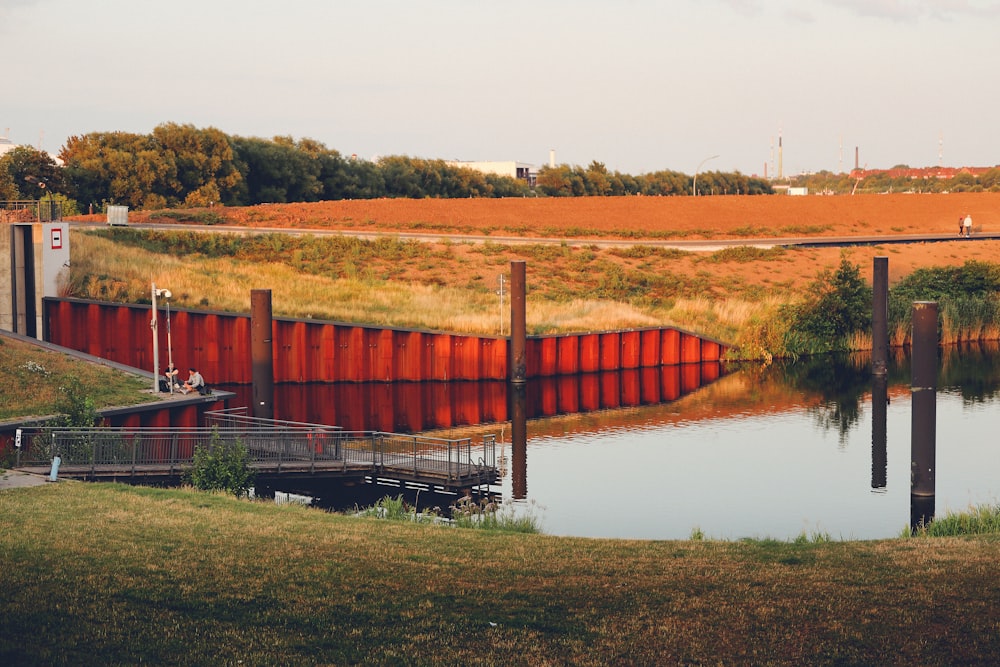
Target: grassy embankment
35, 382
445, 286
109, 574
745, 296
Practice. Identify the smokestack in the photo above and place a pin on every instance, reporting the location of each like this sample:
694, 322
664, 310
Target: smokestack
781, 156
856, 163
552, 158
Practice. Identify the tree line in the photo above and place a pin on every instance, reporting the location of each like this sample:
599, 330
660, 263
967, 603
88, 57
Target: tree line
184, 166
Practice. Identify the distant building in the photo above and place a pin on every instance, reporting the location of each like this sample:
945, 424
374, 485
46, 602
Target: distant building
6, 145
519, 170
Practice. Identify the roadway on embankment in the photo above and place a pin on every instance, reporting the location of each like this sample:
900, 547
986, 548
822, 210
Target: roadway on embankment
691, 245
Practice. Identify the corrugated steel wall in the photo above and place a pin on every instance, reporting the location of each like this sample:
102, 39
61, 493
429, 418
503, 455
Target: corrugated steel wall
218, 345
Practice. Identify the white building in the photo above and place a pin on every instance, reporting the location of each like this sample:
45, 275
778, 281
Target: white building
519, 170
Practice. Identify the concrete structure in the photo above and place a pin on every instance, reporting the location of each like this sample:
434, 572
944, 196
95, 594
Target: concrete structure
519, 170
34, 261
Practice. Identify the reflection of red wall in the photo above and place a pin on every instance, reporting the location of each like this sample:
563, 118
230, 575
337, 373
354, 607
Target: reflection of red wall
218, 345
410, 407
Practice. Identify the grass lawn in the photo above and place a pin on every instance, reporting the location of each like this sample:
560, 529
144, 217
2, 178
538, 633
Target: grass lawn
110, 574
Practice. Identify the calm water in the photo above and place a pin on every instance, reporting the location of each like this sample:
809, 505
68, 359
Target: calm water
754, 451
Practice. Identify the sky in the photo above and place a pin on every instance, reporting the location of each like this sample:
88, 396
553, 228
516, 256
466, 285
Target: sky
637, 85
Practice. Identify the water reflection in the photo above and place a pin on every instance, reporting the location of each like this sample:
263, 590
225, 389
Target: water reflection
815, 445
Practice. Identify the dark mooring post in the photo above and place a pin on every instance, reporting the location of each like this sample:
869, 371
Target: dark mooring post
880, 409
261, 353
519, 440
923, 389
518, 324
880, 315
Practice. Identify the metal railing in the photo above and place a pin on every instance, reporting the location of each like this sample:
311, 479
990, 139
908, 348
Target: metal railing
293, 447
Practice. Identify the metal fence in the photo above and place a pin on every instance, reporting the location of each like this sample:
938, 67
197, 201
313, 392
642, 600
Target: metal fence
31, 210
291, 447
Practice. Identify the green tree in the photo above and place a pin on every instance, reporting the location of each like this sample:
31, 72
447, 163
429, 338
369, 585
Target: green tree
34, 173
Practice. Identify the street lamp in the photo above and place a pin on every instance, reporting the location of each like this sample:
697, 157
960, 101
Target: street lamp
165, 293
694, 182
43, 185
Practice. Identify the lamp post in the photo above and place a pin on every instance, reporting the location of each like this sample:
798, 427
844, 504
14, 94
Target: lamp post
165, 293
694, 182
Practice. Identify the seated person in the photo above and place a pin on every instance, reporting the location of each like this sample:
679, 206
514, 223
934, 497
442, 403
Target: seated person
170, 374
195, 382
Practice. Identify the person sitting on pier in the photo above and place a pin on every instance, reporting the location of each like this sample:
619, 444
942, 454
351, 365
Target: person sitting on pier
195, 382
170, 382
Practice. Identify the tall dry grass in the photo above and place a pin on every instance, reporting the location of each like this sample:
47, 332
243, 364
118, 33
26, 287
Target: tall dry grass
102, 269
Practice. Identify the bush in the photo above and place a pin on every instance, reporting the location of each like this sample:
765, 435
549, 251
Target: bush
839, 306
222, 466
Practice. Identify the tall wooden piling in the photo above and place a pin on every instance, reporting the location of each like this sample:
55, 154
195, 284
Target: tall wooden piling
518, 323
923, 389
261, 353
880, 315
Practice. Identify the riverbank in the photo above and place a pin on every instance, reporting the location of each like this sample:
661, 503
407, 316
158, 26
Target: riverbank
734, 294
109, 574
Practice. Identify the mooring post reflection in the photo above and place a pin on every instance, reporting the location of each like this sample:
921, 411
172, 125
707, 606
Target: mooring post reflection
880, 409
923, 389
519, 440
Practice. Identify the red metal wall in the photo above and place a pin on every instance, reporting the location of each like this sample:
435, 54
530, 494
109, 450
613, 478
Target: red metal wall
218, 345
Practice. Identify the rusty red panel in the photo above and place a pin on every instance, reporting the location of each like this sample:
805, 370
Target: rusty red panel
239, 366
437, 356
711, 350
630, 355
407, 355
464, 358
590, 353
670, 383
327, 359
353, 354
610, 351
690, 349
548, 356
670, 347
488, 359
649, 347
568, 355
382, 352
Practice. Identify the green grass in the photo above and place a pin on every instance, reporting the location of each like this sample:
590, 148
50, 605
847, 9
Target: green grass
108, 574
35, 379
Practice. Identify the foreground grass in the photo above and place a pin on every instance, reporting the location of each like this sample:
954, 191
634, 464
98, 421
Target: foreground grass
117, 575
34, 382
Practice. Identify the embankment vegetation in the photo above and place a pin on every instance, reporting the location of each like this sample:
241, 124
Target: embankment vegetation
453, 286
109, 574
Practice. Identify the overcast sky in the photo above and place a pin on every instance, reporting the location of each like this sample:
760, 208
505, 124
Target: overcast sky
639, 85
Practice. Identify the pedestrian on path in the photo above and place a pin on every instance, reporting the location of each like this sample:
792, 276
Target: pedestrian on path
967, 223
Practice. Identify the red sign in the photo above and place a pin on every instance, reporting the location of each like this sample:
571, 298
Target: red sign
56, 238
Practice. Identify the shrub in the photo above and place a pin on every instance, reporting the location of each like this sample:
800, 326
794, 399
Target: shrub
222, 466
839, 305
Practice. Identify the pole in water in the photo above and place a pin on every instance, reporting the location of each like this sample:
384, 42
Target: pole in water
261, 353
880, 315
518, 325
923, 430
880, 405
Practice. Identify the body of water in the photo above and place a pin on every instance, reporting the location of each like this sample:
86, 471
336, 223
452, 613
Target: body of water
813, 447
